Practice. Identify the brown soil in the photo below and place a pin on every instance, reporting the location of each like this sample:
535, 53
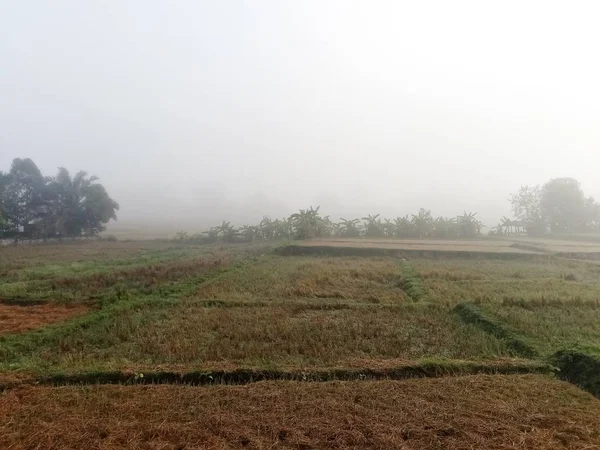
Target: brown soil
475, 412
16, 318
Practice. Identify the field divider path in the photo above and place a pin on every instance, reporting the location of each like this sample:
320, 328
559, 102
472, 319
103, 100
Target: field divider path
248, 376
472, 314
580, 367
368, 251
412, 284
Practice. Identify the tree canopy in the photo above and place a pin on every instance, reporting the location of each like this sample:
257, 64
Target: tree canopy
36, 206
559, 206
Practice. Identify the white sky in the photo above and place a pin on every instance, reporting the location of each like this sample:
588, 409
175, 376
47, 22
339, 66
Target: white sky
198, 111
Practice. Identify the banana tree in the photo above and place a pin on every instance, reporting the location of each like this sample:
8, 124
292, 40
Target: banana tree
468, 225
250, 233
373, 226
445, 227
423, 222
349, 227
307, 223
226, 232
404, 228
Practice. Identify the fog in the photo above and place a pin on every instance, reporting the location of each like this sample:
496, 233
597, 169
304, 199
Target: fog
192, 112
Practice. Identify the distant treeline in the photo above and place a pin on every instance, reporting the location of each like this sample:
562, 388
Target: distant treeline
36, 206
559, 206
308, 223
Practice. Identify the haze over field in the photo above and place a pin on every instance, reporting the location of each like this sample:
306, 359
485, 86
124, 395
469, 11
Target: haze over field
194, 112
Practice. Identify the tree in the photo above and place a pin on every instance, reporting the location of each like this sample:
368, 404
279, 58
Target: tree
24, 196
444, 227
404, 227
563, 205
250, 233
267, 228
468, 225
226, 232
349, 228
307, 223
3, 183
526, 206
373, 226
423, 222
81, 206
592, 214
505, 226
283, 228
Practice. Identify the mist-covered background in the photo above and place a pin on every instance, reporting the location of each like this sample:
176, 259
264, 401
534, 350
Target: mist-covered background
192, 112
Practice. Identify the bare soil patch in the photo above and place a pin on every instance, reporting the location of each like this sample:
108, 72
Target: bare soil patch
17, 318
483, 411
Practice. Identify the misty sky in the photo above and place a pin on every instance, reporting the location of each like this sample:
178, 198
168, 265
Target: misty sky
197, 111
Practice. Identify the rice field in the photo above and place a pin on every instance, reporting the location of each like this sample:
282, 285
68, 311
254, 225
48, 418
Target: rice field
75, 317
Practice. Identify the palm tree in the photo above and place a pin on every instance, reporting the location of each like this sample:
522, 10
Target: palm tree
506, 224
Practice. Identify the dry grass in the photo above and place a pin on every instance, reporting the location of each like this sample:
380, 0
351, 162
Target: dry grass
139, 279
31, 256
512, 244
282, 336
483, 412
291, 335
373, 280
464, 245
554, 326
543, 280
16, 319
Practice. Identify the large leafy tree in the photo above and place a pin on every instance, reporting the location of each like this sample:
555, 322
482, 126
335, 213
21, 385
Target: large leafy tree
81, 206
526, 206
563, 205
3, 184
24, 195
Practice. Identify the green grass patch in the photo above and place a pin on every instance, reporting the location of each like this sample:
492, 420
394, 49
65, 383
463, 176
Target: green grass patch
472, 314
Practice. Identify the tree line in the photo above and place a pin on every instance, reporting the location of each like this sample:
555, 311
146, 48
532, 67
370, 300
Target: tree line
309, 223
35, 206
559, 206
